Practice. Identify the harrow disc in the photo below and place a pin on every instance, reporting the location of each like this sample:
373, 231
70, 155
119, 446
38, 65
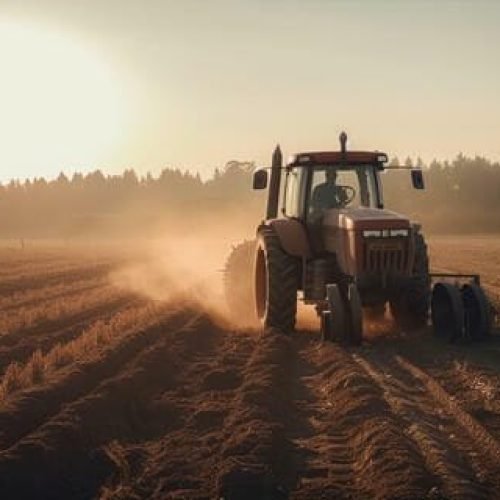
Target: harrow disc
447, 311
476, 312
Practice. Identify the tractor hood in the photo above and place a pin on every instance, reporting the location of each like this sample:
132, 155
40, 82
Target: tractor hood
362, 256
364, 218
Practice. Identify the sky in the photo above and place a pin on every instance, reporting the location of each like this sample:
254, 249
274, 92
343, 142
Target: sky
148, 84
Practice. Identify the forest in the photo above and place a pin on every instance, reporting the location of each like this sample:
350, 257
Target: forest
461, 196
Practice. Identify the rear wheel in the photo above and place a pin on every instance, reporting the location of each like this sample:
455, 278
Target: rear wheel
410, 308
276, 282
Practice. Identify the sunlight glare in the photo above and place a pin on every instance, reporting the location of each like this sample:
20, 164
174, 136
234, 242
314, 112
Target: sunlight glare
60, 104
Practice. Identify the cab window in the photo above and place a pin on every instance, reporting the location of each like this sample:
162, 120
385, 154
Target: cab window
292, 193
342, 187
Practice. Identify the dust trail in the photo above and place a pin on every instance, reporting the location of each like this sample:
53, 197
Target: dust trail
181, 269
382, 327
307, 318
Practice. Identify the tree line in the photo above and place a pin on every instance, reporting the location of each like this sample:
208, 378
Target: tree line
462, 195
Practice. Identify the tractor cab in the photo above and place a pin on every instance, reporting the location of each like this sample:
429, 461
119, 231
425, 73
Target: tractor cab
317, 182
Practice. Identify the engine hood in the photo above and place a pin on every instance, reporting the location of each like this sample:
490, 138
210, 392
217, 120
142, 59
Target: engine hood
364, 218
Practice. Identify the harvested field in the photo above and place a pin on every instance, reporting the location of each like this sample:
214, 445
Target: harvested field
108, 393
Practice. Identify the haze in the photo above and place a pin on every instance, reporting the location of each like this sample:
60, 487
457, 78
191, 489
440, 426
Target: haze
119, 84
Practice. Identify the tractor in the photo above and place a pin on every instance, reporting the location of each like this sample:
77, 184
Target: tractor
328, 240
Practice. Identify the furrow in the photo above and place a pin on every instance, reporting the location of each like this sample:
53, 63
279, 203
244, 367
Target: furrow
468, 374
384, 461
30, 298
58, 315
486, 442
185, 460
26, 412
45, 339
433, 429
42, 280
148, 397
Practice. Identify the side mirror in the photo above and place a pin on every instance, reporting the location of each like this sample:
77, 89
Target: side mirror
417, 178
260, 179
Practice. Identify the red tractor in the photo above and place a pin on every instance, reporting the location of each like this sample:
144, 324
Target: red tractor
329, 241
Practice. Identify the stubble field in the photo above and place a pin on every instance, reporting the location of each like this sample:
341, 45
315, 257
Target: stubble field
117, 382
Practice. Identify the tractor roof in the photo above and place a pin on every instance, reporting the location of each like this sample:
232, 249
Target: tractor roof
338, 157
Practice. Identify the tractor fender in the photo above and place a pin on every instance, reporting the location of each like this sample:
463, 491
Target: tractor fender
292, 235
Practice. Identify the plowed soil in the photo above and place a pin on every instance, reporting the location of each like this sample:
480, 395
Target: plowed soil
114, 395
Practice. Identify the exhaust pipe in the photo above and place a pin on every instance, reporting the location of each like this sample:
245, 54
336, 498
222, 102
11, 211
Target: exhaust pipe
274, 185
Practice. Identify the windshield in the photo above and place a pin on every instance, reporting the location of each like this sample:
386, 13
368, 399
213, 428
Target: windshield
339, 187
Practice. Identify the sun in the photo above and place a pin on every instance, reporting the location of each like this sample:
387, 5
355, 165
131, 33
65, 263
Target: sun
61, 105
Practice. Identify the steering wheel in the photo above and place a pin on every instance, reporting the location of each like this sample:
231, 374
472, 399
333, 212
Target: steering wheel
349, 192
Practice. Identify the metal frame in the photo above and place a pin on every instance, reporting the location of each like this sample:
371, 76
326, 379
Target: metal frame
475, 278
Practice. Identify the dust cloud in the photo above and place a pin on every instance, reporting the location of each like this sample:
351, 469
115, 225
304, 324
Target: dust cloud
379, 328
185, 264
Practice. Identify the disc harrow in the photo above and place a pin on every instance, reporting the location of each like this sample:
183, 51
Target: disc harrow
460, 309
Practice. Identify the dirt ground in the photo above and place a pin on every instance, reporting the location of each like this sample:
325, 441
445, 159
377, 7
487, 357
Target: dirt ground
118, 381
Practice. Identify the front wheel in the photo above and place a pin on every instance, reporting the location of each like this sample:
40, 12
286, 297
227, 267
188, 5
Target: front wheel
276, 282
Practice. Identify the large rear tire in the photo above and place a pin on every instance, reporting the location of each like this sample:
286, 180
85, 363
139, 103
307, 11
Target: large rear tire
276, 283
238, 284
410, 308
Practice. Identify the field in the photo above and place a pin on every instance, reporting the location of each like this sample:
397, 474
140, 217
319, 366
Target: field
117, 382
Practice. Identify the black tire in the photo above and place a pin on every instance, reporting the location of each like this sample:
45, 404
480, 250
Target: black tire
410, 308
326, 326
339, 314
447, 312
238, 284
476, 312
276, 283
355, 311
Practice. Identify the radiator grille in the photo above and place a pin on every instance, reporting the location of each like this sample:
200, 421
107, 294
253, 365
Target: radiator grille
385, 257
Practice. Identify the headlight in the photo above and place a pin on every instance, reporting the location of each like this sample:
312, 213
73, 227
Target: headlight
374, 233
386, 233
399, 233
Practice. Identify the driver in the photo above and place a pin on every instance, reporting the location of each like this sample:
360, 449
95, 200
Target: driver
329, 195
